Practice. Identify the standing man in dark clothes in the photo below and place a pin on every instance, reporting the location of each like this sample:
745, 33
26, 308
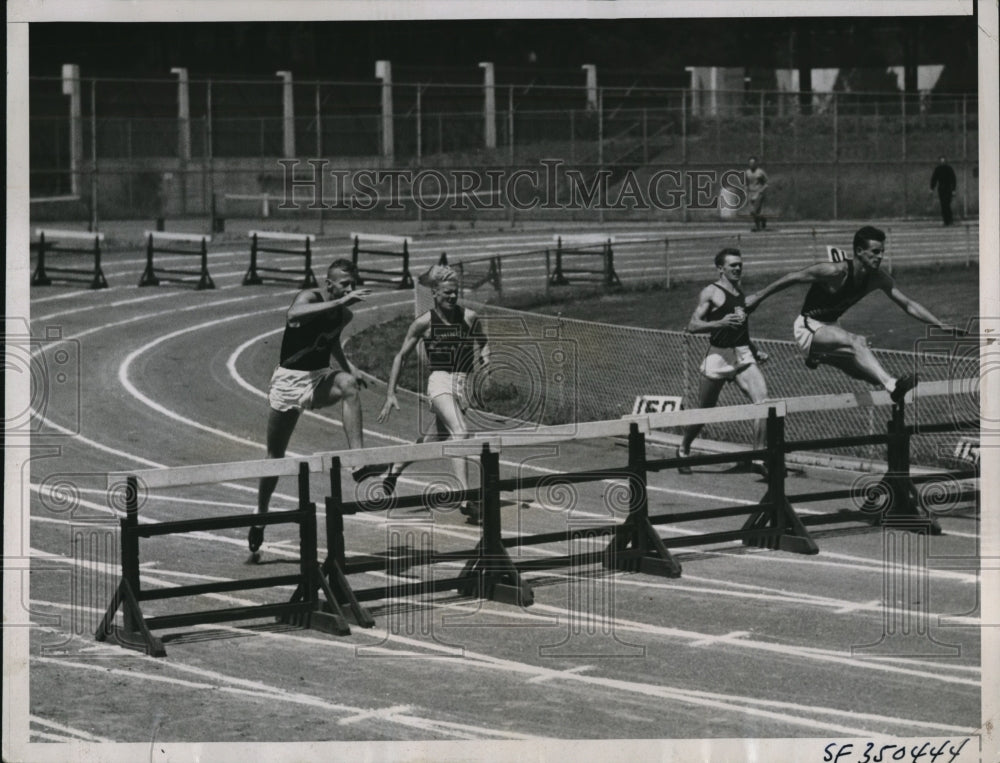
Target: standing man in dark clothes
944, 180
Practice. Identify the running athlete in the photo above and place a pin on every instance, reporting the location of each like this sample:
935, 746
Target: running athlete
835, 287
731, 355
314, 372
452, 337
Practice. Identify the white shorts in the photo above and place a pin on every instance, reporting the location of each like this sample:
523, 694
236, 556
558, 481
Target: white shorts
805, 328
726, 363
293, 390
448, 383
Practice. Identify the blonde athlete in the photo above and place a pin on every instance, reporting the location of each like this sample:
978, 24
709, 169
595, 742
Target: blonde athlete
454, 343
731, 355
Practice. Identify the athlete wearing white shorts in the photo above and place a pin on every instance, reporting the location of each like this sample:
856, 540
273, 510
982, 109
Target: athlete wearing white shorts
731, 356
455, 344
313, 372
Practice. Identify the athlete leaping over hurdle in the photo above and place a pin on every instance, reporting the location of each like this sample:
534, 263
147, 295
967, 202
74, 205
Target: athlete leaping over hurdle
314, 372
835, 287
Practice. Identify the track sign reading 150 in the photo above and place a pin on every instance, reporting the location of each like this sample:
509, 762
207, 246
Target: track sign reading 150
656, 404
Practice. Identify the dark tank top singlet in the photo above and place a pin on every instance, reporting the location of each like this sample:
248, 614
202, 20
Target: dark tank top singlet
729, 336
828, 306
306, 347
450, 346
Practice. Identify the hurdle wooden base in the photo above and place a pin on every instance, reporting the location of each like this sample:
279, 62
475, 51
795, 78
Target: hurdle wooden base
149, 274
606, 275
48, 244
305, 278
400, 278
304, 607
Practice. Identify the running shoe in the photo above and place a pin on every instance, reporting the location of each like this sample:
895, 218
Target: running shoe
389, 483
255, 538
903, 385
364, 472
682, 469
472, 513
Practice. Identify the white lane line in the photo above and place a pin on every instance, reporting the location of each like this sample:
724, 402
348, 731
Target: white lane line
863, 565
728, 638
77, 733
213, 681
785, 650
791, 598
695, 638
753, 706
382, 713
123, 379
543, 679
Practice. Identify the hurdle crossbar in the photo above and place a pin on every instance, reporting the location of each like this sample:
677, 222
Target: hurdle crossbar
153, 246
401, 277
48, 244
305, 278
302, 609
584, 245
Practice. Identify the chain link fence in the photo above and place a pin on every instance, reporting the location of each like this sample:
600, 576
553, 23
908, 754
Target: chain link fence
127, 149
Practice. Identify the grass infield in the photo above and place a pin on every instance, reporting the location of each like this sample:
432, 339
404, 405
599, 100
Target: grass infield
950, 293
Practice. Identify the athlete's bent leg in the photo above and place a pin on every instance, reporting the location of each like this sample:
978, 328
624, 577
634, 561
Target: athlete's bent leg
836, 347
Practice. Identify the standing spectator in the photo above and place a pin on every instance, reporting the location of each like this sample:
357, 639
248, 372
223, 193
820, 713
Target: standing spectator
944, 180
756, 180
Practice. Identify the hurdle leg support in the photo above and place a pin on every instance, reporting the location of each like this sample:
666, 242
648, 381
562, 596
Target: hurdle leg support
903, 509
786, 531
148, 277
205, 282
492, 574
141, 639
252, 278
39, 277
636, 546
98, 281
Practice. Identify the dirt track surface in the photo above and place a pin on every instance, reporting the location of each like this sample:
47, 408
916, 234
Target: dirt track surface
748, 643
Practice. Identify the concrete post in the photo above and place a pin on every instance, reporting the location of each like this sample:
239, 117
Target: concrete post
383, 71
71, 87
183, 114
591, 71
288, 112
489, 105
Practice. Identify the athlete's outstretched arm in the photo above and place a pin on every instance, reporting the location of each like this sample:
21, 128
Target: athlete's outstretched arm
414, 334
912, 307
811, 274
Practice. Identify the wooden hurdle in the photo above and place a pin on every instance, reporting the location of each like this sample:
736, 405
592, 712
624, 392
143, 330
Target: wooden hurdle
893, 498
48, 243
149, 275
584, 245
488, 572
303, 608
401, 278
305, 278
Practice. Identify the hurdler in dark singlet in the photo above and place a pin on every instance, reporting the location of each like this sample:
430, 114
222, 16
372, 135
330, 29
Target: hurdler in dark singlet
728, 336
823, 305
306, 346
